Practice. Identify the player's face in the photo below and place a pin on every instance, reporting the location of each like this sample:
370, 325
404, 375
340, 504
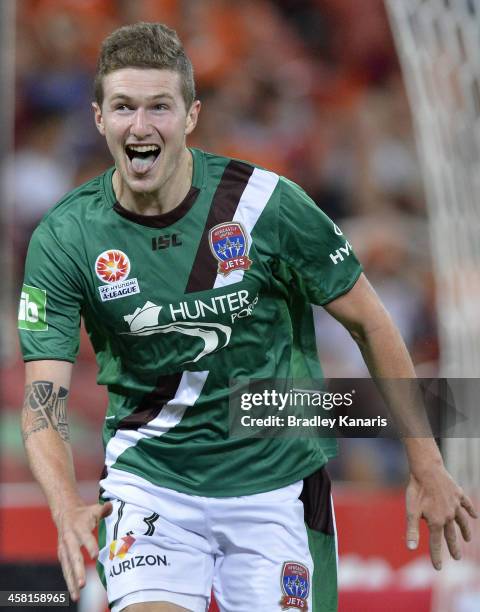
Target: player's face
145, 122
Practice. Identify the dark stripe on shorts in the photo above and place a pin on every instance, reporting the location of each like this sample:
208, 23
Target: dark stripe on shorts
150, 521
223, 207
317, 502
119, 517
152, 403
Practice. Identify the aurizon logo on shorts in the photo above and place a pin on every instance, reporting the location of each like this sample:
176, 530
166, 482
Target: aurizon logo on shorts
138, 561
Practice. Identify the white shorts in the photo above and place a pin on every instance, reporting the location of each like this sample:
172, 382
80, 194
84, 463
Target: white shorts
254, 551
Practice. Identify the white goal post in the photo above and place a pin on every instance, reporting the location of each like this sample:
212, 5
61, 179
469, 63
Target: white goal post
438, 43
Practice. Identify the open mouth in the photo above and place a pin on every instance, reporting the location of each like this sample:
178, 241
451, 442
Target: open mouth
142, 157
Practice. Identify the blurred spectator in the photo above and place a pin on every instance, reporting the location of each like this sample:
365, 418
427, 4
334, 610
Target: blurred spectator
38, 176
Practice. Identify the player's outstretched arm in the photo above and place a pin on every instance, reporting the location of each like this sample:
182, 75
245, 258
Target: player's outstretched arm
431, 493
47, 443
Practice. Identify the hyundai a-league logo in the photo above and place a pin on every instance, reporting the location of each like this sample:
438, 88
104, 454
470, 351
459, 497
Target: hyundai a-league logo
112, 266
229, 244
295, 586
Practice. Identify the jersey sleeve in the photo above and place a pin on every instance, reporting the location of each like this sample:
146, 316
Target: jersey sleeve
314, 248
50, 301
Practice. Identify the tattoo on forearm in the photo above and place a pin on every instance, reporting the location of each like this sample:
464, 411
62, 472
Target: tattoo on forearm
43, 407
60, 413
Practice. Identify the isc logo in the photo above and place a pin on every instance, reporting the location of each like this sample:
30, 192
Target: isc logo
32, 309
166, 241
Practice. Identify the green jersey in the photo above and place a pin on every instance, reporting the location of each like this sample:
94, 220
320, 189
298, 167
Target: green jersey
176, 305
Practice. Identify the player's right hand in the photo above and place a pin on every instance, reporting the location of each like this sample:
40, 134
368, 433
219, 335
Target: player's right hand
75, 530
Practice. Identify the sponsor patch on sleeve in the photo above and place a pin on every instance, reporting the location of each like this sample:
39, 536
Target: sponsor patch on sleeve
32, 311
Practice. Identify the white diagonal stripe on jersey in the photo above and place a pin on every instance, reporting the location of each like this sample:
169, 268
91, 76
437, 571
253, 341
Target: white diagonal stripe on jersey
254, 199
189, 389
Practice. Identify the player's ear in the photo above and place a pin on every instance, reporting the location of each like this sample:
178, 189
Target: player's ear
97, 113
192, 117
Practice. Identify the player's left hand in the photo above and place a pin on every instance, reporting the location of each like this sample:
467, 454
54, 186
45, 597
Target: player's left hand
436, 497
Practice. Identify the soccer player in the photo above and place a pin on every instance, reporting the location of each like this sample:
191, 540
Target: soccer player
191, 269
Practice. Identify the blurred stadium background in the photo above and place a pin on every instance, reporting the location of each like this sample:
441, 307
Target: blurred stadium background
312, 89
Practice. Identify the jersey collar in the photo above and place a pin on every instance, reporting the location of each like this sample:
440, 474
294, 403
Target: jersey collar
172, 216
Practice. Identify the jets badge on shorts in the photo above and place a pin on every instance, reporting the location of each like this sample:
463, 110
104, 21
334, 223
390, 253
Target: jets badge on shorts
229, 244
295, 586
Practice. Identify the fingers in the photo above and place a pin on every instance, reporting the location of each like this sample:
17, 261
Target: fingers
88, 541
436, 546
451, 538
104, 510
466, 502
75, 534
68, 573
413, 516
72, 547
413, 533
451, 533
462, 522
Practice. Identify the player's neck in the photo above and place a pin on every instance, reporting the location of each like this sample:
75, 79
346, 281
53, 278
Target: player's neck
166, 198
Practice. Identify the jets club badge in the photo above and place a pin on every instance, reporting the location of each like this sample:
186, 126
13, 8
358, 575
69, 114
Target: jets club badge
229, 244
295, 586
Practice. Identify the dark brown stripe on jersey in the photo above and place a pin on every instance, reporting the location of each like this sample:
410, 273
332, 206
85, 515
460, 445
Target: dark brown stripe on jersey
317, 502
152, 403
223, 207
164, 220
